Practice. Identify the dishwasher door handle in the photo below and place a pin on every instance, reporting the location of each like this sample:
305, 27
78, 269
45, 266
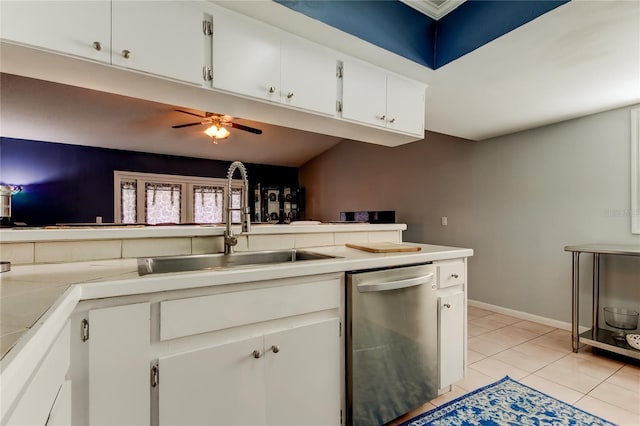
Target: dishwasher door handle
394, 285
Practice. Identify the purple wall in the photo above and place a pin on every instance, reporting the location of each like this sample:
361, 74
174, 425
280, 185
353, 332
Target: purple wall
71, 183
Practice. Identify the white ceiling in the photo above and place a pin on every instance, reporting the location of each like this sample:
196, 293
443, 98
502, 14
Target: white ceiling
44, 111
582, 57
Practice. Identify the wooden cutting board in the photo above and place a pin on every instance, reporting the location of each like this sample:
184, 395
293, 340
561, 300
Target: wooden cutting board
383, 247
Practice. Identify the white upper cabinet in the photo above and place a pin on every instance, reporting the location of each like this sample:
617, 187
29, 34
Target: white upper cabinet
159, 37
80, 28
256, 60
373, 96
405, 105
364, 93
308, 76
246, 57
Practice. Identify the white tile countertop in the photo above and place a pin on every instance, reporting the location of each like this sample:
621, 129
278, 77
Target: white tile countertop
113, 231
32, 293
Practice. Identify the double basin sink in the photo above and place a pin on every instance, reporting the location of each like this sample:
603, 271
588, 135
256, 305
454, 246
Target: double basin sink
201, 262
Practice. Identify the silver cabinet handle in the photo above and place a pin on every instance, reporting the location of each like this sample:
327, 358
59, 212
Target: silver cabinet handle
289, 95
275, 349
393, 120
394, 285
446, 306
257, 354
383, 117
272, 89
97, 45
126, 53
454, 275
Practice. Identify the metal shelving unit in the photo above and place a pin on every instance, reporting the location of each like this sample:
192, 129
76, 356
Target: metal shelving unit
596, 337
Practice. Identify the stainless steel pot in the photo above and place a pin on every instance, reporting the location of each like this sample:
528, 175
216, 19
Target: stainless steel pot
5, 201
6, 191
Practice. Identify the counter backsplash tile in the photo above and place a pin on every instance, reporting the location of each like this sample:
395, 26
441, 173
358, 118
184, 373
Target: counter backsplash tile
271, 242
76, 251
145, 247
313, 240
351, 237
207, 245
385, 236
17, 253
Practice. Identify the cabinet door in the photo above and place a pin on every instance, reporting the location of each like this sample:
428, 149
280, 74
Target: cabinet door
364, 97
308, 76
246, 57
64, 26
451, 338
405, 105
219, 385
162, 37
60, 414
35, 403
119, 391
302, 375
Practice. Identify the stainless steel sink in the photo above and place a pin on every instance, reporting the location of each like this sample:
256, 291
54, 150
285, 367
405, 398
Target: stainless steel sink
164, 264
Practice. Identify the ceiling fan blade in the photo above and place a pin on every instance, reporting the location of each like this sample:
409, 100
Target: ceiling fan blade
179, 126
193, 113
245, 128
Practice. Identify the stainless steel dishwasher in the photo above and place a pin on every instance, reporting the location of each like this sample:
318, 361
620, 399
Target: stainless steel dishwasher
392, 342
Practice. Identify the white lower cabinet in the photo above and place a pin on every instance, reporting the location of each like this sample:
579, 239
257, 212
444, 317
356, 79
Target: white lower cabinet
452, 317
302, 375
60, 414
119, 339
287, 377
214, 385
39, 397
451, 337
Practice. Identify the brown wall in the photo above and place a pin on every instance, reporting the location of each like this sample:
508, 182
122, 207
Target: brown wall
517, 200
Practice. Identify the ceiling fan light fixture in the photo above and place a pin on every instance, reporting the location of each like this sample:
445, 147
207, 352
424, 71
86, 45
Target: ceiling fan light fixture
217, 132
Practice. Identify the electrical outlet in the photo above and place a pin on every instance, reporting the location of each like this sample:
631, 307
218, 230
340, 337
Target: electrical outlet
445, 221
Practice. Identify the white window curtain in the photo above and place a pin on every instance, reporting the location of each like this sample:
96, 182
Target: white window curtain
208, 204
128, 200
162, 203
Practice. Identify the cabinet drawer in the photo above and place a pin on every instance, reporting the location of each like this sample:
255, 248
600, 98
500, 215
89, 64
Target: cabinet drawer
450, 274
185, 317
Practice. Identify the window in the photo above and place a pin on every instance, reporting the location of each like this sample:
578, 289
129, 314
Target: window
155, 198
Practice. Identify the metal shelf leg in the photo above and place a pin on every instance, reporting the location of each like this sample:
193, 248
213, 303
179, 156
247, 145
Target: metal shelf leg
575, 290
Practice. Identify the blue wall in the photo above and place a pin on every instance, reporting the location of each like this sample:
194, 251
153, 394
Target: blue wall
398, 28
70, 183
392, 25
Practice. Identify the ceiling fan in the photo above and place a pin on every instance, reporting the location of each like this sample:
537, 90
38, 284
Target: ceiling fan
217, 124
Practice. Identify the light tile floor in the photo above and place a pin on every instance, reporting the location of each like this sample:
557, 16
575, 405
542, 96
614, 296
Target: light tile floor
541, 357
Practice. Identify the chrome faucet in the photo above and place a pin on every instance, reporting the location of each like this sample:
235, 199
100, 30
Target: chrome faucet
229, 239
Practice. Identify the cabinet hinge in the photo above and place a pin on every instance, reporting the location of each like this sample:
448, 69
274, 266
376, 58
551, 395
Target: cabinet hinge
207, 27
207, 73
340, 330
339, 106
340, 416
155, 375
84, 330
339, 71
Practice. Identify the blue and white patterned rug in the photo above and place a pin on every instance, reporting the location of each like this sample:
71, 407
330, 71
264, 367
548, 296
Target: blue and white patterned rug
506, 402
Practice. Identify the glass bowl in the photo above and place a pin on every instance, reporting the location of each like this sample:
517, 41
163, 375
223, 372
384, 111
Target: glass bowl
620, 318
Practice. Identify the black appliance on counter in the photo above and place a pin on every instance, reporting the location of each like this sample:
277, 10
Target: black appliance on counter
385, 216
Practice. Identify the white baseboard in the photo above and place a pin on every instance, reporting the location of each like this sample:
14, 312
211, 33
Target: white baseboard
524, 316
